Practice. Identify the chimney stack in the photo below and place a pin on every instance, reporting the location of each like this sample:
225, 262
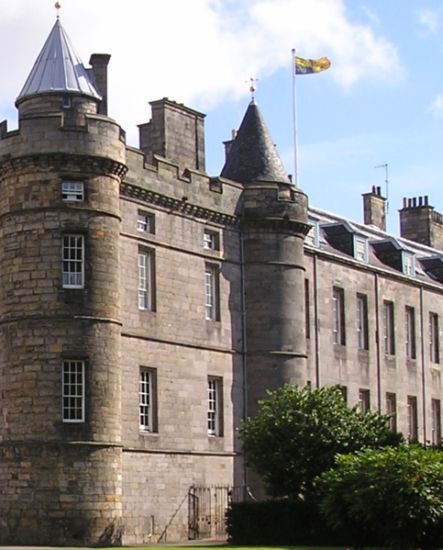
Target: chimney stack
374, 208
99, 64
419, 222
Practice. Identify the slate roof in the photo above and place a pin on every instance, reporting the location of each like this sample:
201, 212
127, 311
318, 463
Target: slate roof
58, 69
253, 156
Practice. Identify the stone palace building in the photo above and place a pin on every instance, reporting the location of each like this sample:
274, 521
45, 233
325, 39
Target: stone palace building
146, 306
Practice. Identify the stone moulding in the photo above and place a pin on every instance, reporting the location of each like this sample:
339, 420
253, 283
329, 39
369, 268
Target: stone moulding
177, 205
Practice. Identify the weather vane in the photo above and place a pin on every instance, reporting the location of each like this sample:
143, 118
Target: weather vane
57, 6
252, 86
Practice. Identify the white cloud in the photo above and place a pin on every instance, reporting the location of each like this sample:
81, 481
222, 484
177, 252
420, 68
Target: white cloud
199, 52
429, 19
436, 107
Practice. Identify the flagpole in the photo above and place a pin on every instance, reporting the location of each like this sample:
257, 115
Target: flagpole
294, 118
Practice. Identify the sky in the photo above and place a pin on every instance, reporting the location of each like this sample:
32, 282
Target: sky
381, 101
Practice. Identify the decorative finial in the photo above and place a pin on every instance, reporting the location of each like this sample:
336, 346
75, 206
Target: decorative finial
252, 86
57, 6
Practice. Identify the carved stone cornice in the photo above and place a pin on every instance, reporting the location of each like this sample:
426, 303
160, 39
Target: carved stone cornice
63, 162
177, 205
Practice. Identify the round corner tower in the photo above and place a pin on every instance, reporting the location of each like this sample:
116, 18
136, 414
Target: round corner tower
60, 446
274, 224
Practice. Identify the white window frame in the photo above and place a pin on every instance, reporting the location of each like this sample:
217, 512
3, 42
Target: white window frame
412, 411
73, 391
313, 236
73, 191
147, 400
434, 338
360, 248
145, 222
211, 240
364, 400
338, 316
215, 406
211, 292
144, 266
408, 263
410, 340
73, 264
391, 409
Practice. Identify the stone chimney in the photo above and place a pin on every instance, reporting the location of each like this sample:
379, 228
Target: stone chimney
419, 222
99, 64
374, 208
176, 133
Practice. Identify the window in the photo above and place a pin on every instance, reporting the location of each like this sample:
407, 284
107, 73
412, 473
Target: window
215, 424
434, 340
361, 249
307, 310
312, 237
145, 222
344, 393
391, 409
145, 261
436, 422
72, 191
412, 418
338, 309
362, 321
389, 335
73, 391
211, 292
410, 332
364, 403
408, 262
211, 240
73, 261
147, 400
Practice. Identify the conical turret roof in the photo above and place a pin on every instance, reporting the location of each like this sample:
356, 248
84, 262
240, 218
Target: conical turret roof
253, 156
58, 69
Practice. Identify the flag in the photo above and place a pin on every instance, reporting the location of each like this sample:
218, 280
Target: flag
309, 66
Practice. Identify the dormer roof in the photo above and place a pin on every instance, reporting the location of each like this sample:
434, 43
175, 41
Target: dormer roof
58, 69
253, 156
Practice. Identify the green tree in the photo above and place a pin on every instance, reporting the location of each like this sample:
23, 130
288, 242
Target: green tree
297, 432
396, 493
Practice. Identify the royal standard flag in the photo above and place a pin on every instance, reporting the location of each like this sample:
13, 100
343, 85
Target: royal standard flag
309, 66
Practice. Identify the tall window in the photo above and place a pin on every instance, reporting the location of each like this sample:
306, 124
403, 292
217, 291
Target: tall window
412, 418
211, 292
391, 409
362, 321
389, 328
73, 391
144, 279
307, 310
147, 400
215, 424
364, 402
434, 340
73, 261
338, 311
410, 332
436, 422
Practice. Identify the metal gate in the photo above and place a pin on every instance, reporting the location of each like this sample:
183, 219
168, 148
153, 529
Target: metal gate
207, 510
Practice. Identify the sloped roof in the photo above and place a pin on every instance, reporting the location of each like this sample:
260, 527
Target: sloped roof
253, 156
58, 69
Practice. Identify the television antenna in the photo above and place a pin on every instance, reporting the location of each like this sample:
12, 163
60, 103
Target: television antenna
386, 167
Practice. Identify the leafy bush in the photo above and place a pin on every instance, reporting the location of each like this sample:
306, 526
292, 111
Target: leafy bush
297, 432
396, 491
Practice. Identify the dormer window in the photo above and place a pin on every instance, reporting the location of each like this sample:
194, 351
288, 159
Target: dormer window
73, 191
313, 237
408, 264
360, 248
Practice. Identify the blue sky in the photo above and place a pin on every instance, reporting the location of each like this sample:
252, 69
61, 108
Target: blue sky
380, 102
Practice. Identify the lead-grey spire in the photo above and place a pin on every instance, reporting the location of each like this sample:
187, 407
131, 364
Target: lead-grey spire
58, 69
253, 156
